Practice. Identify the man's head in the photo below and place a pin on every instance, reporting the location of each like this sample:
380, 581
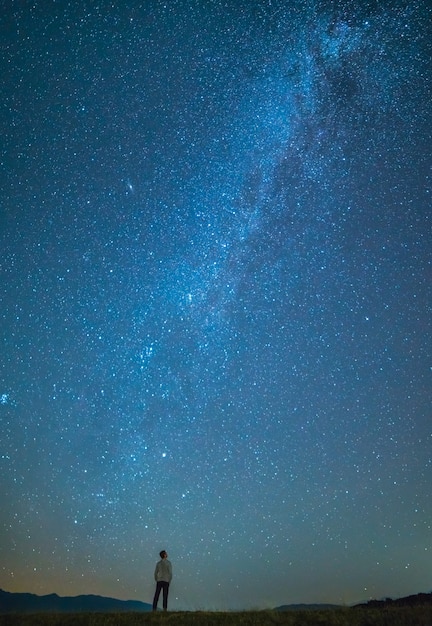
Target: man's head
163, 554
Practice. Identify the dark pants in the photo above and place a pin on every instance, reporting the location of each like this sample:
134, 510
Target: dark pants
164, 586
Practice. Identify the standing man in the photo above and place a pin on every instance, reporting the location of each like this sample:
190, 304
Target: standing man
163, 575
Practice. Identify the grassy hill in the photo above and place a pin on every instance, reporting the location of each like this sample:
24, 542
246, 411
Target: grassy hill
391, 616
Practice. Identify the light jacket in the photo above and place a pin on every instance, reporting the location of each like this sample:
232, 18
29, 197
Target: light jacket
163, 571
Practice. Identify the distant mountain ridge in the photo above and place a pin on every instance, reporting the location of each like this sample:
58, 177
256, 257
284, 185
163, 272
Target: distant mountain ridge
52, 603
308, 607
418, 599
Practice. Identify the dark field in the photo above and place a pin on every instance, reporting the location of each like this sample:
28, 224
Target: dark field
393, 616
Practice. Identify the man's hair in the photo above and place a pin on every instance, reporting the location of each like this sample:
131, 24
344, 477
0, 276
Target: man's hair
162, 553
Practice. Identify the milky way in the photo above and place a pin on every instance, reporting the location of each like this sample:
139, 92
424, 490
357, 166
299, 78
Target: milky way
216, 300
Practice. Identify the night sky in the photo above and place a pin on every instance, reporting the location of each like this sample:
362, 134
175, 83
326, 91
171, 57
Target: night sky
216, 294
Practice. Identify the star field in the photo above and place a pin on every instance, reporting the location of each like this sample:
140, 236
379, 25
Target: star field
216, 300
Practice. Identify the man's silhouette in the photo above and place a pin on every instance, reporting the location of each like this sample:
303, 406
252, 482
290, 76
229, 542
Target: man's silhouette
162, 575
